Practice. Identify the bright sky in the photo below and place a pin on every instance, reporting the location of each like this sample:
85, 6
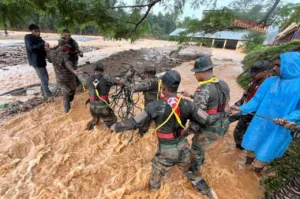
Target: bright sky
190, 12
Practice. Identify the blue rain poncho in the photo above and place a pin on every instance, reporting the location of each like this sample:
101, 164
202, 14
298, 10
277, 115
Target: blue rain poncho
277, 97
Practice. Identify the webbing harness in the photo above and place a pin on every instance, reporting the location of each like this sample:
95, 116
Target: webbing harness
171, 114
96, 82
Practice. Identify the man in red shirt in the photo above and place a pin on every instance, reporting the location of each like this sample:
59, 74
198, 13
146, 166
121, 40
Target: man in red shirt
259, 71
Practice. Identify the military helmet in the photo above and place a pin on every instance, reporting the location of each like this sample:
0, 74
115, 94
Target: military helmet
150, 69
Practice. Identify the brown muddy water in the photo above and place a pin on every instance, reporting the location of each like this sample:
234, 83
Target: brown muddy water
46, 153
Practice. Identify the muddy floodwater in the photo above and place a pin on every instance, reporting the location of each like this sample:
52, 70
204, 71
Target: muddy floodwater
46, 153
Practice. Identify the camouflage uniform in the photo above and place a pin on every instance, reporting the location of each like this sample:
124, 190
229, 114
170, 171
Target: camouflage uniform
98, 108
173, 148
149, 87
291, 190
212, 98
244, 120
64, 73
73, 52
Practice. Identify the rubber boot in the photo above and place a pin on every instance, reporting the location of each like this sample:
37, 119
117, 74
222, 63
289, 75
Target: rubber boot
67, 106
92, 124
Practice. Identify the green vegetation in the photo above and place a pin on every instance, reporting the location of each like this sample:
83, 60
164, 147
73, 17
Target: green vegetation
282, 170
264, 53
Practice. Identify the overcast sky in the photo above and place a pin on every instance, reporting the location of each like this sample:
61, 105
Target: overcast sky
190, 12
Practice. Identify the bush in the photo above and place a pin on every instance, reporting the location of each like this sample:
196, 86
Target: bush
282, 170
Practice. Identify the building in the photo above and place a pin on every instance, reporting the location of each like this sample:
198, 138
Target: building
222, 39
291, 33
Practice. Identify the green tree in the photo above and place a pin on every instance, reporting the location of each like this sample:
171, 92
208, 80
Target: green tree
11, 13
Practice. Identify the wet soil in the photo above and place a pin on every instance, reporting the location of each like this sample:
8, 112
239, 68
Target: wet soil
115, 65
15, 55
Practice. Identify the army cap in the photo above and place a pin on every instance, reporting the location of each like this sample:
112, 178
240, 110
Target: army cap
171, 78
202, 64
259, 66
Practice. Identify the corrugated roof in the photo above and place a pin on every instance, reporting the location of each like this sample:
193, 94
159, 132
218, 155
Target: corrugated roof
218, 35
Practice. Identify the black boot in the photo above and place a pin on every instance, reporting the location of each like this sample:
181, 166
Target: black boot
67, 106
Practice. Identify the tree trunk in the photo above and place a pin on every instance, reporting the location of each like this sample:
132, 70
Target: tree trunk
5, 25
266, 17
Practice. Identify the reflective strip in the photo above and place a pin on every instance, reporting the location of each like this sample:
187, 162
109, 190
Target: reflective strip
167, 135
96, 98
212, 111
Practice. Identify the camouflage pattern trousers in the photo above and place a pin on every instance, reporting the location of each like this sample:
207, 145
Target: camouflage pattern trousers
203, 138
168, 156
291, 190
101, 111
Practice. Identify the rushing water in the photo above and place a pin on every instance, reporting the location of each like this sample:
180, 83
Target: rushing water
46, 153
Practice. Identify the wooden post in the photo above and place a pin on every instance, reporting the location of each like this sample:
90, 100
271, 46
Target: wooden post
213, 42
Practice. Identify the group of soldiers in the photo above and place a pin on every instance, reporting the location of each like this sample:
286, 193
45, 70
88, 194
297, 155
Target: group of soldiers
207, 111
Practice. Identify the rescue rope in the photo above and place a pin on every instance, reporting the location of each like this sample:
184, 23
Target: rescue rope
211, 80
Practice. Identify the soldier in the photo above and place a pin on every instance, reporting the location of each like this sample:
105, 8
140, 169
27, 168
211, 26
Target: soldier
170, 114
290, 190
259, 71
72, 48
149, 87
99, 86
212, 95
64, 72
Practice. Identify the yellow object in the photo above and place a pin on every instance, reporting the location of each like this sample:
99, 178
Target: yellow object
212, 80
84, 89
159, 88
169, 117
97, 93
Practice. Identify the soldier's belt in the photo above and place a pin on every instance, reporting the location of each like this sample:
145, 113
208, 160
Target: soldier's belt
212, 111
99, 98
167, 135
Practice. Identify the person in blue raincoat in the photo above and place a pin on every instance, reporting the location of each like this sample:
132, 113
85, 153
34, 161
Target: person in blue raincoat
278, 97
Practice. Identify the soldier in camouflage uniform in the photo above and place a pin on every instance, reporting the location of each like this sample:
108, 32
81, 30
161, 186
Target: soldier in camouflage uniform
73, 48
212, 95
290, 190
99, 86
149, 87
259, 73
64, 72
170, 114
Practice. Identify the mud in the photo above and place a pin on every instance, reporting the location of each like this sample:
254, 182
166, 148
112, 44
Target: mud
46, 153
15, 55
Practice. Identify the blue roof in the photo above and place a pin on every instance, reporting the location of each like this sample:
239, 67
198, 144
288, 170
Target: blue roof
217, 35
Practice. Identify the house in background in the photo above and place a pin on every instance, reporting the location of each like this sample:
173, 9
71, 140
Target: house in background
291, 33
221, 39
